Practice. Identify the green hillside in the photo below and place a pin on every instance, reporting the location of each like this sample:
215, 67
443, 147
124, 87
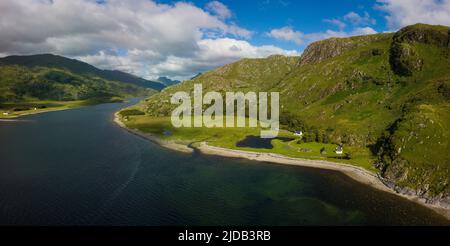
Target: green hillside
78, 67
30, 88
244, 75
384, 97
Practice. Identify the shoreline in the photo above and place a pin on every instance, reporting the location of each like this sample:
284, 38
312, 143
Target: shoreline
358, 174
169, 145
48, 110
12, 117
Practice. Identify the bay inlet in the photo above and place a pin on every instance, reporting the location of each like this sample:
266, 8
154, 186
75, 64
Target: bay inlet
77, 167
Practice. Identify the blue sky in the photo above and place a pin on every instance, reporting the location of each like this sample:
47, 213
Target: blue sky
261, 16
178, 39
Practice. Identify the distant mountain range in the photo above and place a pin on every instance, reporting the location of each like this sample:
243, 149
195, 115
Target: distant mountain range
46, 77
387, 94
167, 82
79, 67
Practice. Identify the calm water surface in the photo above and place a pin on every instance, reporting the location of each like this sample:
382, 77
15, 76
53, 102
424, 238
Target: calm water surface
260, 143
76, 167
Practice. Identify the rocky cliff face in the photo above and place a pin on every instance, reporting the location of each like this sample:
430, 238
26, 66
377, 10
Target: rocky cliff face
333, 47
414, 156
404, 59
425, 34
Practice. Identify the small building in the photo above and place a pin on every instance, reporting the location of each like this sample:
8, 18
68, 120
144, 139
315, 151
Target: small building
5, 113
298, 133
339, 150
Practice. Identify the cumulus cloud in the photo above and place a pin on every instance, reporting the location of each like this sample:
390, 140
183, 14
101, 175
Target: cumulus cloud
360, 20
340, 24
219, 9
300, 38
139, 36
351, 24
362, 31
406, 12
212, 53
287, 34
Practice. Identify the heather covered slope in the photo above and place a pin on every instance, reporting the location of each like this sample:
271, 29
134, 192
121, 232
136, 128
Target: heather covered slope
385, 93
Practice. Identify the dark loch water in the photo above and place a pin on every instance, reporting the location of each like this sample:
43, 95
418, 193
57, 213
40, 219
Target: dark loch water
77, 167
259, 143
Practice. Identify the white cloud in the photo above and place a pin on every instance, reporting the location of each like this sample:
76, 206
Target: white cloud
406, 12
300, 38
219, 9
232, 48
358, 20
340, 24
312, 37
362, 31
212, 53
287, 34
357, 25
136, 36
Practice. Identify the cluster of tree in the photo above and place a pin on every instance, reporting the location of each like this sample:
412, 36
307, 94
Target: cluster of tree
40, 89
62, 77
316, 135
444, 90
131, 112
310, 133
292, 122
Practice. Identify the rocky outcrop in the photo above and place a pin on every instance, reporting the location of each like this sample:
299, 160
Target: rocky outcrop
403, 178
333, 47
405, 167
442, 200
426, 34
404, 58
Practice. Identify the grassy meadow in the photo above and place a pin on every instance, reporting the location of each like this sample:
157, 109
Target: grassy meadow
229, 137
